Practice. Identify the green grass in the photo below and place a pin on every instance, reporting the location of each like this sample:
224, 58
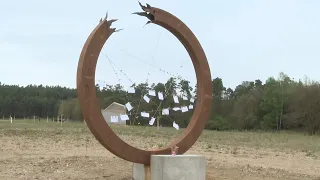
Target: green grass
278, 141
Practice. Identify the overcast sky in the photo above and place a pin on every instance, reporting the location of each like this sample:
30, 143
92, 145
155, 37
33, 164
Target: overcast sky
40, 41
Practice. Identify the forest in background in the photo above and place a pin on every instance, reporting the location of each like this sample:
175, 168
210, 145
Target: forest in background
280, 103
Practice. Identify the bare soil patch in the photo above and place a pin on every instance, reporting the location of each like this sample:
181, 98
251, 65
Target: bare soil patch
49, 151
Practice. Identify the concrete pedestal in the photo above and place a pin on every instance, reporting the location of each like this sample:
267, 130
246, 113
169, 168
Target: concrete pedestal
168, 167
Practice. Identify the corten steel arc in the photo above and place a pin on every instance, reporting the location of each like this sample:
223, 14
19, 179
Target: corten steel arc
89, 102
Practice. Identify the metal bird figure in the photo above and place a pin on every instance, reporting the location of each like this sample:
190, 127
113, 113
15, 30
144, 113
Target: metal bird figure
109, 22
106, 15
117, 30
147, 23
145, 14
112, 20
142, 6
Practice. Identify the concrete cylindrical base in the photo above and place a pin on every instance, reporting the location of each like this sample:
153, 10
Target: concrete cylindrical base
168, 167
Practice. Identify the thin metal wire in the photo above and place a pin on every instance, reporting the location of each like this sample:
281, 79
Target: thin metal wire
112, 65
120, 70
153, 57
136, 112
166, 72
126, 93
167, 88
119, 80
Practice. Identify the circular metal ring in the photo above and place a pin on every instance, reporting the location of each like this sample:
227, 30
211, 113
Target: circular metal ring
89, 102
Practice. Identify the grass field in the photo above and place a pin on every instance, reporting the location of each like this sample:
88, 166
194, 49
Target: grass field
44, 150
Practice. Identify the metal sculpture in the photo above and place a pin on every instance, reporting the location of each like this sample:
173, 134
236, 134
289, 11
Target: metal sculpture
87, 90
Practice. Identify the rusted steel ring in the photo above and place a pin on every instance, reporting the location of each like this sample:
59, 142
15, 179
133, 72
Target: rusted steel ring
89, 102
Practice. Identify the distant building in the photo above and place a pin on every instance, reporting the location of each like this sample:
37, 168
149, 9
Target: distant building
114, 110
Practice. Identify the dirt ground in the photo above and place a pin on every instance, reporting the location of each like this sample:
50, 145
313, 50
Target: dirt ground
60, 154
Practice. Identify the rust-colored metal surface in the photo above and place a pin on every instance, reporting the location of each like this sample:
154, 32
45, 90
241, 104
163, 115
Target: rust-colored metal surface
89, 102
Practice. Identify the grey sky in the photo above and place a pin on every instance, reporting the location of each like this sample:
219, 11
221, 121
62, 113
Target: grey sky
40, 41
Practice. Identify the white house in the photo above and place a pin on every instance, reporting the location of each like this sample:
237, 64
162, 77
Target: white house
114, 110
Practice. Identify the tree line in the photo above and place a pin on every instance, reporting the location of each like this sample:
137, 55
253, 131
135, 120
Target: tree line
280, 103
